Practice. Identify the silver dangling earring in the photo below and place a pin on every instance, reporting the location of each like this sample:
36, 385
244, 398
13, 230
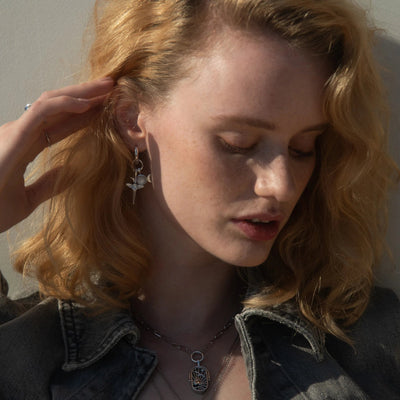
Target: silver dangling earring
138, 179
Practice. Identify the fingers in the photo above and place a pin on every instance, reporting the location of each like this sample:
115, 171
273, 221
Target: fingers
55, 115
85, 90
74, 99
58, 131
66, 126
52, 111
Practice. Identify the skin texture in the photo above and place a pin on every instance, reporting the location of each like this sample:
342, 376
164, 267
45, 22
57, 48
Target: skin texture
213, 161
201, 182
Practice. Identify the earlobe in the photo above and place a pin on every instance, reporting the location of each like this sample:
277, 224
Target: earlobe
131, 127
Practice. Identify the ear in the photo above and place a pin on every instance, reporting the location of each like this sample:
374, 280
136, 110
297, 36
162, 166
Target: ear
131, 125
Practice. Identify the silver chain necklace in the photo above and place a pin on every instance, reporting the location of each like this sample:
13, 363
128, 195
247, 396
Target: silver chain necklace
199, 375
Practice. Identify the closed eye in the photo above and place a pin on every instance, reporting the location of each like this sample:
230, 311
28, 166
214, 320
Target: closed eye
305, 146
301, 154
235, 149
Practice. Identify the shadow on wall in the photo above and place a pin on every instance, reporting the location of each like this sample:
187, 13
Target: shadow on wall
388, 54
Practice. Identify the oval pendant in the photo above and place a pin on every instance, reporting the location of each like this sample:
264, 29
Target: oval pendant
199, 378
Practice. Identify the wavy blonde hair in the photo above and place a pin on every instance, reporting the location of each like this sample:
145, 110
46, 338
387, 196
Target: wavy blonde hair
90, 248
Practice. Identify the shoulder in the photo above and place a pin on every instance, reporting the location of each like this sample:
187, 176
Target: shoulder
383, 302
374, 359
31, 346
11, 309
379, 326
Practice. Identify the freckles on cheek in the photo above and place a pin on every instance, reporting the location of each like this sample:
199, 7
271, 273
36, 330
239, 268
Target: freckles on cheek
230, 179
209, 179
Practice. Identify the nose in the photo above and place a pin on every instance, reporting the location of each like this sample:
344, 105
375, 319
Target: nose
275, 179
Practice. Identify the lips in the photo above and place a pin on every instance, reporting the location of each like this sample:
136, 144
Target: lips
260, 228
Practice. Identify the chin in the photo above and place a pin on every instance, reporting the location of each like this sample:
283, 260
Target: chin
249, 264
252, 259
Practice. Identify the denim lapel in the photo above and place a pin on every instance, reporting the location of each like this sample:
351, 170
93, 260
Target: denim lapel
110, 337
286, 358
88, 338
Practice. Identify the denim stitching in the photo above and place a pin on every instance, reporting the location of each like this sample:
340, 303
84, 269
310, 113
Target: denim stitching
70, 322
101, 351
240, 326
315, 338
69, 330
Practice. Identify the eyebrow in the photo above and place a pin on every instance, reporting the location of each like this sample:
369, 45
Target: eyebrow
259, 123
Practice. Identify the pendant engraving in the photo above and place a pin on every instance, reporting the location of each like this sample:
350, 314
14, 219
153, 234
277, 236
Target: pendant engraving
199, 376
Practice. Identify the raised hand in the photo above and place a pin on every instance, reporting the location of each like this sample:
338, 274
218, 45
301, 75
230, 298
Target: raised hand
51, 118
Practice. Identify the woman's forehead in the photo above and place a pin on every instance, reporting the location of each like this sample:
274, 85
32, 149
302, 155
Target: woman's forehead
254, 78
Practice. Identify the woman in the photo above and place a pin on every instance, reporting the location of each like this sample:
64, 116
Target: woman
259, 125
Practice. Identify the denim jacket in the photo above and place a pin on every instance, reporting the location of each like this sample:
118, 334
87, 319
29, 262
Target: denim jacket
57, 350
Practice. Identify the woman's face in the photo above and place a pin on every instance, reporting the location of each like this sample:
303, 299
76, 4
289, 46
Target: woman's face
233, 147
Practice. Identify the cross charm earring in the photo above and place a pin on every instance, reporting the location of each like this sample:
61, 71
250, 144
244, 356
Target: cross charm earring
138, 179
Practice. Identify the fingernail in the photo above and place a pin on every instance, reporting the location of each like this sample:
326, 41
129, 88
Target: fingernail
107, 79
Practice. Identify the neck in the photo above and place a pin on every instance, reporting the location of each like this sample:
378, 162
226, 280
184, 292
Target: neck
189, 303
190, 292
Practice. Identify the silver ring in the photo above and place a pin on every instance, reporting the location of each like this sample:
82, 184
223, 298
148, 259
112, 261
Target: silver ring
197, 356
27, 107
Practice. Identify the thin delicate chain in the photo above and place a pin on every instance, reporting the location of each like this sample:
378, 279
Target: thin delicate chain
199, 375
182, 347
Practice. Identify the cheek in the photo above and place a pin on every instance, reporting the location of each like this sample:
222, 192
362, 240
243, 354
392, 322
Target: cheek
200, 165
302, 176
183, 169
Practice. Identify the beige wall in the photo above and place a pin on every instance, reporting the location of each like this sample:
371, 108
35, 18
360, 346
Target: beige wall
40, 44
386, 14
40, 49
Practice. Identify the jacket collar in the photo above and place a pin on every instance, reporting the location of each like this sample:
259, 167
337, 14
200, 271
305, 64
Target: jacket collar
287, 314
89, 336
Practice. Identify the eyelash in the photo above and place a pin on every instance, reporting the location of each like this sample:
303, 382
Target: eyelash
235, 149
302, 154
243, 150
